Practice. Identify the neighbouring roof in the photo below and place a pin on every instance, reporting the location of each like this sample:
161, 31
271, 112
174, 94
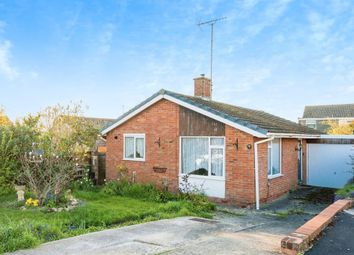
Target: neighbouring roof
101, 122
256, 121
329, 111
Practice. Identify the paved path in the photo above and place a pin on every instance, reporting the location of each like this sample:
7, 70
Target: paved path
184, 235
239, 232
337, 239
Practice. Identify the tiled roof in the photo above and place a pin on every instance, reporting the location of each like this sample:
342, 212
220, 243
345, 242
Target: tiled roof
329, 111
256, 120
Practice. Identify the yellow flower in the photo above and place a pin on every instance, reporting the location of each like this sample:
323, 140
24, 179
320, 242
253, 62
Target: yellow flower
32, 202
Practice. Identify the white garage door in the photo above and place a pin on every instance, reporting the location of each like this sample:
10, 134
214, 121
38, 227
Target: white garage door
329, 164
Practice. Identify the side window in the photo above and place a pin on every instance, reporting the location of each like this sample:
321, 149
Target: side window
134, 147
274, 157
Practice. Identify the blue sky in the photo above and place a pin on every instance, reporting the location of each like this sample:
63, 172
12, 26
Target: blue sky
272, 55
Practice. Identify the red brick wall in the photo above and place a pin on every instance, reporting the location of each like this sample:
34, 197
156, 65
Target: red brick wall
202, 87
271, 189
158, 121
239, 167
161, 121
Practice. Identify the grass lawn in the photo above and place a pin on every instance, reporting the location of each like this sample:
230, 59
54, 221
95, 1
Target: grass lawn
24, 229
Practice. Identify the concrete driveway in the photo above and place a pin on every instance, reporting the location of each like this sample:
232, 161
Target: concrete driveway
184, 235
232, 231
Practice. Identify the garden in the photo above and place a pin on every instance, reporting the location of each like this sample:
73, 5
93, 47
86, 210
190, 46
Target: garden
46, 193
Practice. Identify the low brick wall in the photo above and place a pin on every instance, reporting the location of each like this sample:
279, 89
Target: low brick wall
300, 240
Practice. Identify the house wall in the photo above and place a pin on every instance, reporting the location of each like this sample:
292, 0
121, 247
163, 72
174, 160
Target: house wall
240, 188
271, 189
160, 121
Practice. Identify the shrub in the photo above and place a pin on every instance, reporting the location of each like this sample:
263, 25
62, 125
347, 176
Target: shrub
195, 202
346, 191
8, 157
47, 175
146, 192
84, 182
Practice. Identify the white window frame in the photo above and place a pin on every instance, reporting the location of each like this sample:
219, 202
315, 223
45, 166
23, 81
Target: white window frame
311, 122
135, 136
270, 146
209, 152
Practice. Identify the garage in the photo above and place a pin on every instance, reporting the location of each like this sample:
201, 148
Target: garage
329, 162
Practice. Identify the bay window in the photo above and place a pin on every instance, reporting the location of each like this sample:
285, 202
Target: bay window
203, 156
134, 147
274, 157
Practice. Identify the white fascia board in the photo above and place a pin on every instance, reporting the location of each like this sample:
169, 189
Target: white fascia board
286, 135
132, 114
215, 117
337, 136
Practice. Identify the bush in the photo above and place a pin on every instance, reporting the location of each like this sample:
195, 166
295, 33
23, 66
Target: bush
346, 191
8, 163
85, 182
147, 192
195, 202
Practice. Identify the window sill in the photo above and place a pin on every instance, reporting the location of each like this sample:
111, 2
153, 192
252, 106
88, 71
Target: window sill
134, 159
194, 176
270, 177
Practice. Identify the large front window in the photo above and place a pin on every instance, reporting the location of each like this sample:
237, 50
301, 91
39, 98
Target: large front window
274, 156
203, 156
134, 147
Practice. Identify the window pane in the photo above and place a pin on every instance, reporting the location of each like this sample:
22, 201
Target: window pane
195, 156
217, 141
269, 160
217, 162
139, 152
129, 147
276, 156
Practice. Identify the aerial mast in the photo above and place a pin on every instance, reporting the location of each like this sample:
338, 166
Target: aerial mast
211, 23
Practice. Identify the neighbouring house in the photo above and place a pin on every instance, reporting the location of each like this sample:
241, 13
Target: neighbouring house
237, 155
317, 116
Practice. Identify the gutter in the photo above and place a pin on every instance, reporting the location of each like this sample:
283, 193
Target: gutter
256, 170
299, 136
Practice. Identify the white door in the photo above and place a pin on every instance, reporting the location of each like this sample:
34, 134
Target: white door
328, 165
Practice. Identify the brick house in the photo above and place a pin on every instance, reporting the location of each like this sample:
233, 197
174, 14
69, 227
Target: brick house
318, 116
170, 135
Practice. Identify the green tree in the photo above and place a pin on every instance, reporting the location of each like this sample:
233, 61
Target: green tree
64, 137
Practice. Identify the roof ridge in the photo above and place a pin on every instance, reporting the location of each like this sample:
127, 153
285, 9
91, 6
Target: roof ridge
321, 105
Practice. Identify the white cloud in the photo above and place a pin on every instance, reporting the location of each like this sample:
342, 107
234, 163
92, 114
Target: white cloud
320, 26
105, 39
274, 11
5, 66
249, 4
246, 80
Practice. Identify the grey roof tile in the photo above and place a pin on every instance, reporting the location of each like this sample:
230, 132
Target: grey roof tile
256, 120
329, 111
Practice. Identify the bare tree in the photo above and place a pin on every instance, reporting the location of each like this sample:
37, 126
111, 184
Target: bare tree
47, 176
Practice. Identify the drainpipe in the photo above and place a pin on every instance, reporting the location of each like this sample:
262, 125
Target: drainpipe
256, 171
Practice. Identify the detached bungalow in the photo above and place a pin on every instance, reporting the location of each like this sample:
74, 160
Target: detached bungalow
238, 155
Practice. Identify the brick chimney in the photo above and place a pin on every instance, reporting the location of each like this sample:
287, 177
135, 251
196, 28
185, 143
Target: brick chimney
202, 87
